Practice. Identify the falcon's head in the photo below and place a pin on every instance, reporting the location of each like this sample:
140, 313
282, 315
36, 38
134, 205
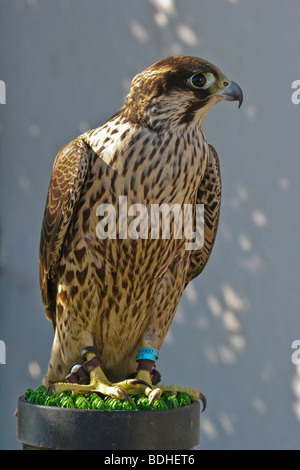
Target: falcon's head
177, 90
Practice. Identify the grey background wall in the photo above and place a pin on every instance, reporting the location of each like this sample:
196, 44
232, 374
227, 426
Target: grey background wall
67, 67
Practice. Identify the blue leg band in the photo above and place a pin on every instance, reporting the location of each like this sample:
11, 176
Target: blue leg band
147, 353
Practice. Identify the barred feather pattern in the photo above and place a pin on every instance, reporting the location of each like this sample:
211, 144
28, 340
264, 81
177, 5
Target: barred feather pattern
119, 294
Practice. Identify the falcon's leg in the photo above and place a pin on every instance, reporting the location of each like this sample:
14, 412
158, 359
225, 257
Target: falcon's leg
98, 380
147, 355
142, 383
146, 369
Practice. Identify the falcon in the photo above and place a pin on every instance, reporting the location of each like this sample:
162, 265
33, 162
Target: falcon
112, 299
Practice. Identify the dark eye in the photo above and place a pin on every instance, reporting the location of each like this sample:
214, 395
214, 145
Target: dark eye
198, 80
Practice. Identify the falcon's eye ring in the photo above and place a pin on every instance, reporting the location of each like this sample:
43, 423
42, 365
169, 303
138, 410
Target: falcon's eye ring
198, 80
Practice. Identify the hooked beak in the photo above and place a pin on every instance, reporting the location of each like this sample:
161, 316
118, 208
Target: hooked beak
233, 93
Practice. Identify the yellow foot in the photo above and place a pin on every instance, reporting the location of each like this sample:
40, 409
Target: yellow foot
154, 392
192, 392
99, 382
111, 390
122, 390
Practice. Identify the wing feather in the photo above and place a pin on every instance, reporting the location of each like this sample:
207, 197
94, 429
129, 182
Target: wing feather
209, 194
68, 175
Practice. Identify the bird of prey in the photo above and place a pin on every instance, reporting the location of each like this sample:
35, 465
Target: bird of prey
111, 299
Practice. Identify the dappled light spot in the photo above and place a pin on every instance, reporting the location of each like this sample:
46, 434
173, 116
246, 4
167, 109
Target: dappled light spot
225, 232
253, 264
24, 183
244, 242
227, 309
214, 305
179, 317
34, 130
242, 192
226, 423
267, 372
251, 112
234, 203
176, 48
161, 19
166, 6
139, 32
191, 294
34, 370
209, 428
259, 405
230, 321
284, 183
240, 197
259, 218
238, 342
232, 299
169, 339
187, 35
211, 354
83, 126
226, 354
202, 323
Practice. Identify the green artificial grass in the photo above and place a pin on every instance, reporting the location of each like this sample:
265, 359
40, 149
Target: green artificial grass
95, 401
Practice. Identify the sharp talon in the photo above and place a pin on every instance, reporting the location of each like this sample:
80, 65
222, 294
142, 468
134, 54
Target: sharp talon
124, 395
50, 389
154, 395
140, 382
204, 401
